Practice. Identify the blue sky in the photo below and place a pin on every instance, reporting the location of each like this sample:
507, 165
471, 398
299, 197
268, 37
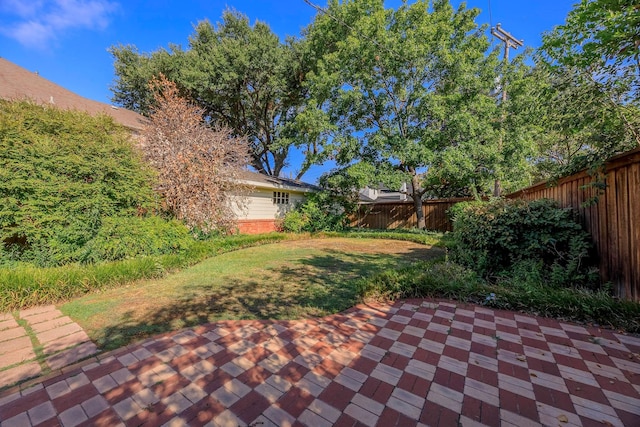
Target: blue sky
66, 41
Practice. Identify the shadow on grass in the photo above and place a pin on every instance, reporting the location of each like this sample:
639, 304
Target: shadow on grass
315, 286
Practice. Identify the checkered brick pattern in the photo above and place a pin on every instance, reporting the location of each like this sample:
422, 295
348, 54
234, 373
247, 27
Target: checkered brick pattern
429, 363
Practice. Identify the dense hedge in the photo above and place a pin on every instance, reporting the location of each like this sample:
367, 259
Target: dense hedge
62, 173
129, 237
498, 237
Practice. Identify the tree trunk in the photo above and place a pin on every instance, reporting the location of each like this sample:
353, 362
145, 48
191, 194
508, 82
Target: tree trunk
416, 195
497, 188
417, 204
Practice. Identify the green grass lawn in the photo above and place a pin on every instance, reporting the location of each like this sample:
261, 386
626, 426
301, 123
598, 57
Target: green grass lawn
288, 280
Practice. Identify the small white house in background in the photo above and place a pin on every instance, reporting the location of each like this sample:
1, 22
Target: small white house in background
382, 194
268, 200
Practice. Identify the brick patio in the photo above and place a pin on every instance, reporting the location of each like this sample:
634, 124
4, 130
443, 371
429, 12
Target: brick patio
411, 363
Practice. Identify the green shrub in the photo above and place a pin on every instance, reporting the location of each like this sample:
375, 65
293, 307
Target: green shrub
295, 221
493, 237
61, 174
459, 208
129, 237
320, 211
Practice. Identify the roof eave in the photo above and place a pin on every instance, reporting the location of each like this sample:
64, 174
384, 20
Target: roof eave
276, 186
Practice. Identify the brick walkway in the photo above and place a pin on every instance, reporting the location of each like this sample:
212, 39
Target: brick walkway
411, 363
60, 342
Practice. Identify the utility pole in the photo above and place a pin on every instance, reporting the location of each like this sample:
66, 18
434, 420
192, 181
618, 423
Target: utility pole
509, 42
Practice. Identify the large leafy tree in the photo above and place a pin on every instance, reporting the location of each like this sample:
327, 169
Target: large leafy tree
593, 61
501, 156
242, 76
409, 91
580, 126
601, 37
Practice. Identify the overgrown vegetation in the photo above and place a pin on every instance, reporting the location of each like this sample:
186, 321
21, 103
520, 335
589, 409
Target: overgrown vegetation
62, 174
515, 255
320, 211
497, 237
520, 292
122, 238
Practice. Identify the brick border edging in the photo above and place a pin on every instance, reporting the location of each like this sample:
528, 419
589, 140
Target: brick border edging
41, 379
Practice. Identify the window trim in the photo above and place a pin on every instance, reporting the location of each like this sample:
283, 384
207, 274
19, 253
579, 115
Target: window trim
280, 198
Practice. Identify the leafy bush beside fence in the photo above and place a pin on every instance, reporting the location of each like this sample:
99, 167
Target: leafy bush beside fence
320, 211
494, 238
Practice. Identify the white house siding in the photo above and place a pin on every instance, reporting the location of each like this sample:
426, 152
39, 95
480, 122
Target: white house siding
258, 213
260, 205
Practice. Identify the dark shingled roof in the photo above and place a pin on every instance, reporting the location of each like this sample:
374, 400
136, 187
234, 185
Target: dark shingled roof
17, 83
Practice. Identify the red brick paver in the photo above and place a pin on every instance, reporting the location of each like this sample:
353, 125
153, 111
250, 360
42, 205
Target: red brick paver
410, 363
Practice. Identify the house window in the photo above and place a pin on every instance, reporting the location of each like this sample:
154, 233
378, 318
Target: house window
280, 198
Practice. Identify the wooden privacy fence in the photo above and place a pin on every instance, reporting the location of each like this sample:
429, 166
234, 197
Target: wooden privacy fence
403, 215
614, 221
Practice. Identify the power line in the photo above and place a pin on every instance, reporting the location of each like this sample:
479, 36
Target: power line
490, 15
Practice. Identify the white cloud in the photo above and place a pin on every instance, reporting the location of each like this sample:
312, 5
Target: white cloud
35, 23
30, 33
21, 8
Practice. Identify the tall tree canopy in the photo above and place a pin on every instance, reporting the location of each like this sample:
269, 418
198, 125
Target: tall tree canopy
501, 156
243, 77
601, 37
410, 92
593, 61
581, 127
